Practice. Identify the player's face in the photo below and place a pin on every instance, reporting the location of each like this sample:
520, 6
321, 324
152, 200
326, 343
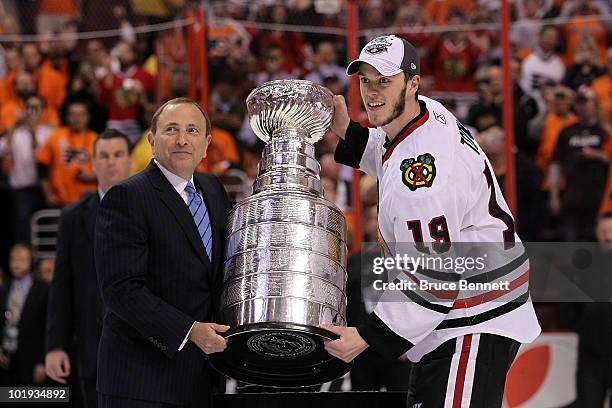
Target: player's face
384, 97
111, 161
180, 141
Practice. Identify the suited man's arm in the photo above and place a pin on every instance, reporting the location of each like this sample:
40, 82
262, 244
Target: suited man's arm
121, 255
59, 310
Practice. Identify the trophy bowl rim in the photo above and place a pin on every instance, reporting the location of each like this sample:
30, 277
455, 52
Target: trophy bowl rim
305, 87
301, 82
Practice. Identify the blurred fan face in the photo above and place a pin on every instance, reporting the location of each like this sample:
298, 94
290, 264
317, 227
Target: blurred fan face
274, 60
31, 57
12, 59
95, 53
24, 85
327, 53
78, 117
492, 141
125, 54
20, 262
549, 39
604, 232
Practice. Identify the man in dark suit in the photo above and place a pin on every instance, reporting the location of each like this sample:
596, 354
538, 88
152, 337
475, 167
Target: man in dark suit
159, 252
23, 306
75, 307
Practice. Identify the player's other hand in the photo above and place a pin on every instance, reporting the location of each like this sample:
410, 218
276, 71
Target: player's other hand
348, 346
341, 119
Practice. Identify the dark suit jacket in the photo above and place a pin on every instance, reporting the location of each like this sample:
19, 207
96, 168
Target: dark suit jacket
75, 307
156, 279
31, 340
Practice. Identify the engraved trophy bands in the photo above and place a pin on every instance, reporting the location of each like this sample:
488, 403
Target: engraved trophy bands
285, 261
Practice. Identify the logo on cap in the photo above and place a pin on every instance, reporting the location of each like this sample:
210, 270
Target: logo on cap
412, 65
378, 45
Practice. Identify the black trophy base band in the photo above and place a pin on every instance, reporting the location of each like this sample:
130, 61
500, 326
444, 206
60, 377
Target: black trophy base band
279, 355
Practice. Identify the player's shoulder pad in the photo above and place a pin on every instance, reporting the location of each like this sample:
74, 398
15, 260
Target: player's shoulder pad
448, 132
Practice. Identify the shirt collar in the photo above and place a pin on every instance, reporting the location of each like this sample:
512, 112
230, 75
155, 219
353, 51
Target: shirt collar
24, 283
101, 193
177, 182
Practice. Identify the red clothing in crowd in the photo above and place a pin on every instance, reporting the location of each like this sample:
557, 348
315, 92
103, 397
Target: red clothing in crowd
119, 98
454, 66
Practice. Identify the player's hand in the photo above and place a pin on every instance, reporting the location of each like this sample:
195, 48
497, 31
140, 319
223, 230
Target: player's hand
341, 119
348, 346
206, 337
57, 365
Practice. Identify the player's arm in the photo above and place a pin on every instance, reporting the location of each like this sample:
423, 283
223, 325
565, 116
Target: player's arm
356, 147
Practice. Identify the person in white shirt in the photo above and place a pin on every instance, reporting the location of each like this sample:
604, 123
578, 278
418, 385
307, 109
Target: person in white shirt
543, 64
20, 145
436, 189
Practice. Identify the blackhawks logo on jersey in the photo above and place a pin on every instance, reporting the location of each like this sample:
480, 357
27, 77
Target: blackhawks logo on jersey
419, 172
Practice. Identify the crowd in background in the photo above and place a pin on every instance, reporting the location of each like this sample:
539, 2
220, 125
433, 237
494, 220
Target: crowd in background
58, 93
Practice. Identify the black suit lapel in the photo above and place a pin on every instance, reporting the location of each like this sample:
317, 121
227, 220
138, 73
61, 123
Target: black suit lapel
4, 292
88, 216
29, 301
178, 208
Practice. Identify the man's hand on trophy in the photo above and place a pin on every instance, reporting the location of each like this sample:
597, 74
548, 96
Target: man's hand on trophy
206, 337
348, 346
341, 119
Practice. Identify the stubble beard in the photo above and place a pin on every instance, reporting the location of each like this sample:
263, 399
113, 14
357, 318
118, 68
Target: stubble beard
398, 109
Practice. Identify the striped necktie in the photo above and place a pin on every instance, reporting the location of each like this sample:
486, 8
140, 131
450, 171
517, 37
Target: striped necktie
200, 217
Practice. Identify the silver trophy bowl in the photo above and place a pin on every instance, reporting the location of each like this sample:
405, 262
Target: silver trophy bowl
285, 260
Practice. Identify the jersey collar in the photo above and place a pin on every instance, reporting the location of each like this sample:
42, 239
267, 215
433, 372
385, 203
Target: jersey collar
414, 124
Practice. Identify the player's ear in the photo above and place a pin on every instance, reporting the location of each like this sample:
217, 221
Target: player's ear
414, 83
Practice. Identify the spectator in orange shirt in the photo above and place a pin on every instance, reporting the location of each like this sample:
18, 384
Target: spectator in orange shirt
12, 60
51, 84
12, 111
52, 14
585, 22
559, 117
64, 162
222, 153
603, 89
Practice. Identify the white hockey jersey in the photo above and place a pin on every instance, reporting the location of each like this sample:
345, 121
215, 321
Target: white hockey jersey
436, 189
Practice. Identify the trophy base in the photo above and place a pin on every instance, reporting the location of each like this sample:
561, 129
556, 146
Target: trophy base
279, 355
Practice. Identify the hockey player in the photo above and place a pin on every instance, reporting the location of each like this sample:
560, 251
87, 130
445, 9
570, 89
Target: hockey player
436, 188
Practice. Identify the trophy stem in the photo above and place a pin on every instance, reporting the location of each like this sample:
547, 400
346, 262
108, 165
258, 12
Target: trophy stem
291, 133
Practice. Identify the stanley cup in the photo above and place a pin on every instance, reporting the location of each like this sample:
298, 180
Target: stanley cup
285, 261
